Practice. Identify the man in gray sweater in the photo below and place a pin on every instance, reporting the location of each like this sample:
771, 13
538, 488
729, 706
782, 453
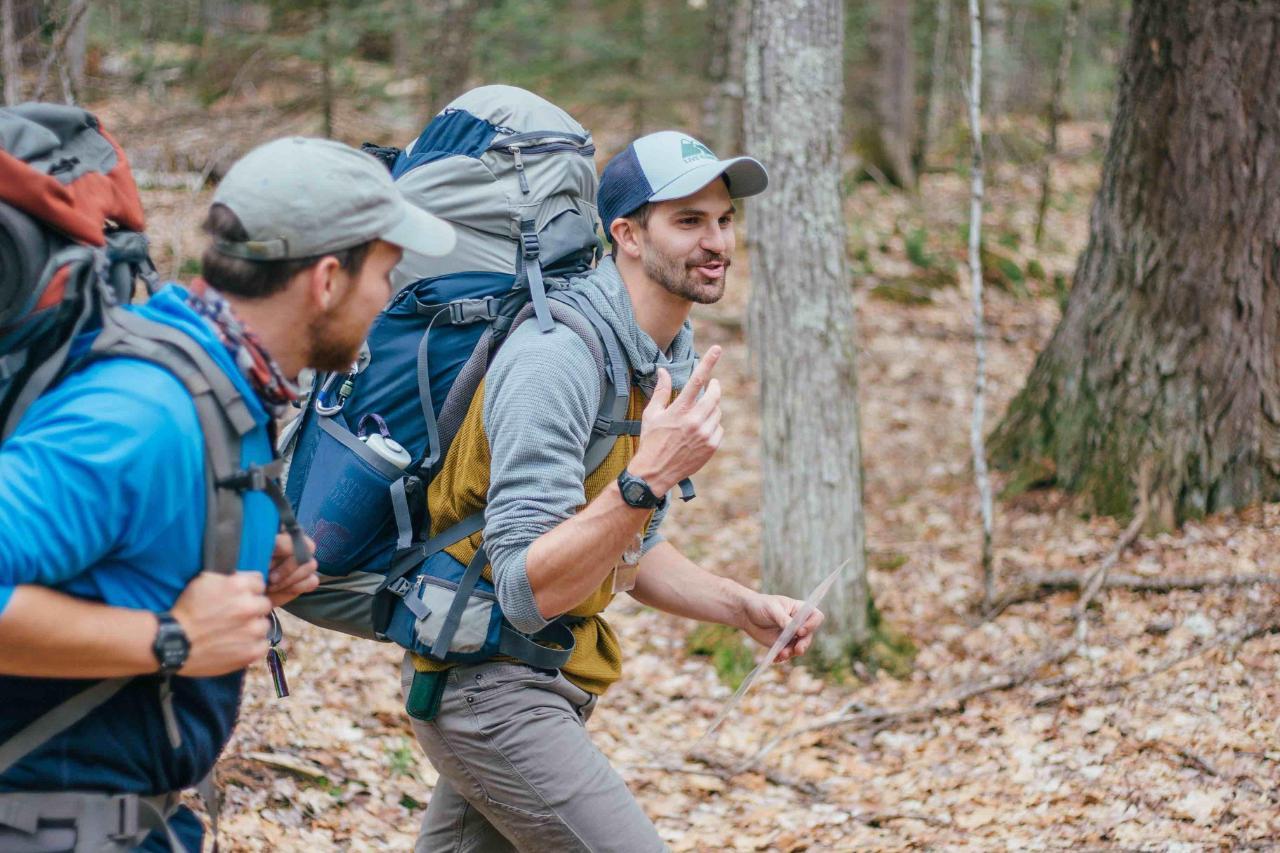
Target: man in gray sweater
517, 769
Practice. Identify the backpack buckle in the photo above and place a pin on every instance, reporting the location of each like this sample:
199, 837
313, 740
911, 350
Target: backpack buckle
252, 479
464, 311
529, 240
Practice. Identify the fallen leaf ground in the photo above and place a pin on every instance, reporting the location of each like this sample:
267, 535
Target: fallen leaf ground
1185, 755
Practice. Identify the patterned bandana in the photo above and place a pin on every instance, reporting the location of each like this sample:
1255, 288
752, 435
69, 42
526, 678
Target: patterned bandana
257, 365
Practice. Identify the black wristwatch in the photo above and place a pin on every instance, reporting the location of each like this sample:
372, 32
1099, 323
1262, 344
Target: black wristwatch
636, 492
171, 646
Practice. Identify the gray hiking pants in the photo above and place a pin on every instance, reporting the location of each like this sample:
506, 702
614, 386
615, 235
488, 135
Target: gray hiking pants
518, 771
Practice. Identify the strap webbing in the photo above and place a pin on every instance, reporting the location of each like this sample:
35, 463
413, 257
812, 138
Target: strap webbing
460, 312
400, 507
459, 604
347, 438
58, 720
207, 788
11, 364
103, 823
428, 409
408, 559
531, 649
532, 265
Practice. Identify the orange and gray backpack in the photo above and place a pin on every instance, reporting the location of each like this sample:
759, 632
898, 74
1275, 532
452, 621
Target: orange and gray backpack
71, 250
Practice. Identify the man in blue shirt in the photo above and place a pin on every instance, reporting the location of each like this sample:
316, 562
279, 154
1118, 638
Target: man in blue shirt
102, 497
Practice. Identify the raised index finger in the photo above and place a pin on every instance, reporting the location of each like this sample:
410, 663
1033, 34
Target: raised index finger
701, 375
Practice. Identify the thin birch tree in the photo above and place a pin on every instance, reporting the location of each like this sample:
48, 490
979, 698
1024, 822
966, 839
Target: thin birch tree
976, 432
802, 316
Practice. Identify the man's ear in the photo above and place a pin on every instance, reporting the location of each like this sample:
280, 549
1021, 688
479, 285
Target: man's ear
323, 286
626, 237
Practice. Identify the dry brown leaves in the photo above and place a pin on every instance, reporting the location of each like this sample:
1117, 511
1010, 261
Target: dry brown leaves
1186, 758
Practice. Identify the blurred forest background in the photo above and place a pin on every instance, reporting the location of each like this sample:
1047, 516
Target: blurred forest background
1156, 730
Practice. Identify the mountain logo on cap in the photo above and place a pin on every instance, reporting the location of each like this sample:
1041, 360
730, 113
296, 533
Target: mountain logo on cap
692, 149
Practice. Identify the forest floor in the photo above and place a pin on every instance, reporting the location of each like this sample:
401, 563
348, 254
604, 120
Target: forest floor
1159, 733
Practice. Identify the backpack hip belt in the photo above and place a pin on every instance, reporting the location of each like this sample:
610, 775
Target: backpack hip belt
84, 821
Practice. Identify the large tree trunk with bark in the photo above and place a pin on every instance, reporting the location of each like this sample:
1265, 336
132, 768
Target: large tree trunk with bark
801, 323
887, 142
1167, 353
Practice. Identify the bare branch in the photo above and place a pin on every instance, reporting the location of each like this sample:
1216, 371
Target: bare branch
1040, 585
954, 700
1232, 638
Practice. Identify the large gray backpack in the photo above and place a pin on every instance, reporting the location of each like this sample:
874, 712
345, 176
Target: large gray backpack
514, 175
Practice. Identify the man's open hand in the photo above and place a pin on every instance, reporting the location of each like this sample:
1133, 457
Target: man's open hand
678, 436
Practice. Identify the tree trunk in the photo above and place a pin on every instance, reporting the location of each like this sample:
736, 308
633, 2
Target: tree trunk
977, 429
996, 18
10, 64
404, 38
722, 106
1166, 354
933, 85
801, 315
1055, 112
77, 46
887, 142
452, 47
326, 67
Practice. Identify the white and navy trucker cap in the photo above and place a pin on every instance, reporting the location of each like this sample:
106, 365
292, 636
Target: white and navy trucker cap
666, 165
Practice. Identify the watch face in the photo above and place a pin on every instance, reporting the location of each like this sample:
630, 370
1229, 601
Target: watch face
172, 646
635, 493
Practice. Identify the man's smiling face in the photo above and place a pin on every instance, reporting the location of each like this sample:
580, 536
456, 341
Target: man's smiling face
687, 243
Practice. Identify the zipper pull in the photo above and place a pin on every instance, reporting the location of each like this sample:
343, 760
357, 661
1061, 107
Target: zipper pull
275, 664
276, 657
519, 158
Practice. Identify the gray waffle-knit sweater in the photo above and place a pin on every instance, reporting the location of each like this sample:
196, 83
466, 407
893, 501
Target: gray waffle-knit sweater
542, 395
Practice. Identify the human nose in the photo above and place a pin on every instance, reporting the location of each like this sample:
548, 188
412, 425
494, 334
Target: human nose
714, 240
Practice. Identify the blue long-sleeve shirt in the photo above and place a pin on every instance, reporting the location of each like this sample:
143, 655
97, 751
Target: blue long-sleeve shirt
102, 495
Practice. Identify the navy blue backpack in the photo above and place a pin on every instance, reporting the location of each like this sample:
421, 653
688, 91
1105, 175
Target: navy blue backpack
515, 176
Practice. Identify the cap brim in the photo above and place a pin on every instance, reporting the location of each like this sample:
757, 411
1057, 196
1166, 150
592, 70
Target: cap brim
746, 175
421, 233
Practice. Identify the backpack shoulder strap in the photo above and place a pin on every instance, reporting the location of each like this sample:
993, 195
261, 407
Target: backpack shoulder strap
224, 418
615, 396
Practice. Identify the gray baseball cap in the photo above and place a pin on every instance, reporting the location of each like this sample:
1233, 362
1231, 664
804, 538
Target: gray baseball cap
301, 198
668, 165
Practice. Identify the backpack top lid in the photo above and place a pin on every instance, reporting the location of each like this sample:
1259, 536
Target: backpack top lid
62, 179
59, 166
464, 167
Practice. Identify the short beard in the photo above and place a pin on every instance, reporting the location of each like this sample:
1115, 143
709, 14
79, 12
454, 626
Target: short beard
679, 278
330, 348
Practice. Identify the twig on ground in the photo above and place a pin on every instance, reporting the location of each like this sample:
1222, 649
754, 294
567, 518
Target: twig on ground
953, 701
875, 819
1197, 762
1233, 638
293, 764
718, 769
1038, 586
